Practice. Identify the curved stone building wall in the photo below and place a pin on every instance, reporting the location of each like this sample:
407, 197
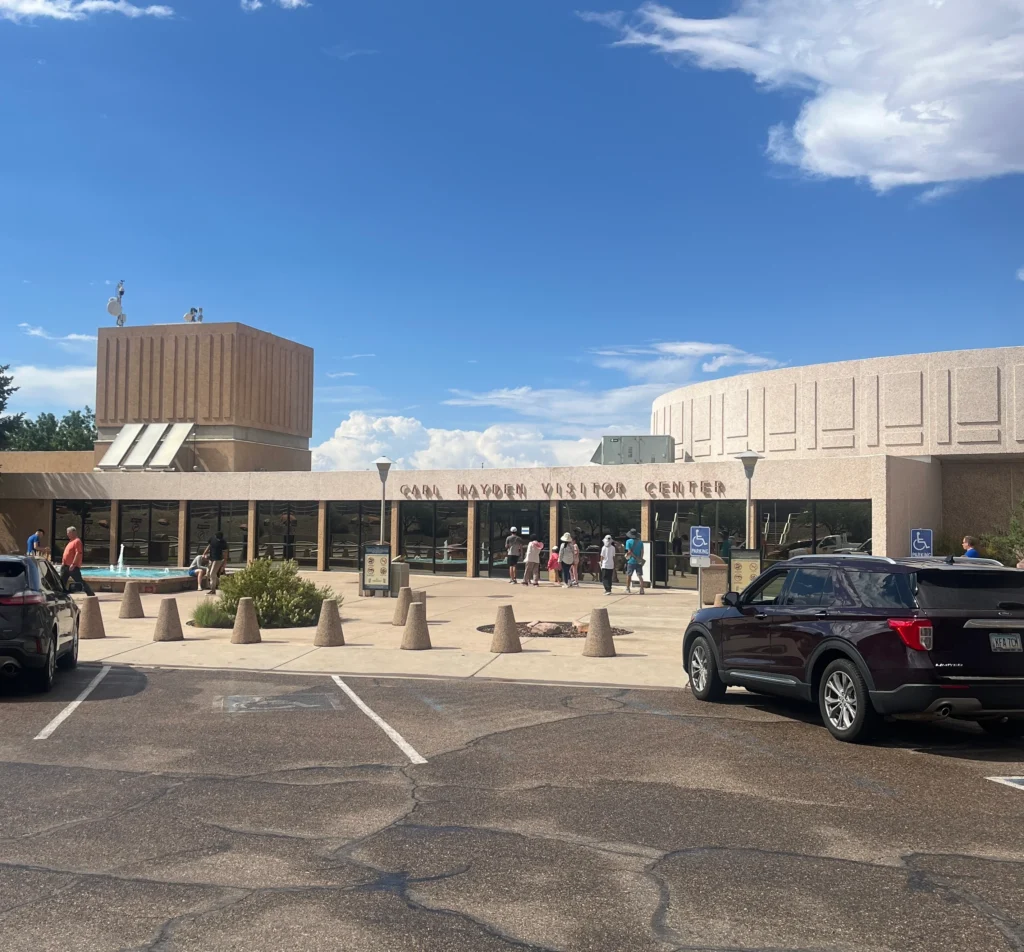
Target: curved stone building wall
955, 403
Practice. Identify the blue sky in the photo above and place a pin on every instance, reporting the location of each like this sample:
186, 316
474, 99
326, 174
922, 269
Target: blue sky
535, 220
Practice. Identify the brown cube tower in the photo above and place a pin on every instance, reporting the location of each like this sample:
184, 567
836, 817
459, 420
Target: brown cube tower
248, 394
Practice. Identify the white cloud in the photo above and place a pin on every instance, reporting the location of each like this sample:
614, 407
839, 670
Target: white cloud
357, 356
362, 437
55, 389
77, 9
251, 6
339, 52
67, 342
344, 373
1020, 275
676, 362
900, 92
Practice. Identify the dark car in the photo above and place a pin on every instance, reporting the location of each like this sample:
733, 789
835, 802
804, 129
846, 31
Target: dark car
38, 621
868, 636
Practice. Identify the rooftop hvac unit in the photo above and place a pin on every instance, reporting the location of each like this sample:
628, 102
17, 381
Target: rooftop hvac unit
618, 450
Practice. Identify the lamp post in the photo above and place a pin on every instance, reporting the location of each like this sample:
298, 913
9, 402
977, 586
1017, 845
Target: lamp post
749, 460
383, 465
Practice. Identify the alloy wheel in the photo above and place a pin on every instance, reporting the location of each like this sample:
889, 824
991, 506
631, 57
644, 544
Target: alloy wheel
840, 700
699, 667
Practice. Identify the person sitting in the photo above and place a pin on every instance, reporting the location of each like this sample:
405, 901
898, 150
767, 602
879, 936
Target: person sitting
199, 569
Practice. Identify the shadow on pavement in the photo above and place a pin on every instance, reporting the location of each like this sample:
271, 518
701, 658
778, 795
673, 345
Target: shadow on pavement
122, 681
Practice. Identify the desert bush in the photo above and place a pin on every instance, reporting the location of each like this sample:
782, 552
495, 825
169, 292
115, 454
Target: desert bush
282, 599
209, 614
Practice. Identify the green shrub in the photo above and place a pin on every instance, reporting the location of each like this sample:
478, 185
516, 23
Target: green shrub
209, 614
282, 599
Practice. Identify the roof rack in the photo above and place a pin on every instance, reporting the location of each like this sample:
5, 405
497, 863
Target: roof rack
846, 555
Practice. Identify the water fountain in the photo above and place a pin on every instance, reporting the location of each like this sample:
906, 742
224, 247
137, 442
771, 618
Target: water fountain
120, 561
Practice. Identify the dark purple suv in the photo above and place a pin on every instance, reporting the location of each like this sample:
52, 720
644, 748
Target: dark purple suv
869, 636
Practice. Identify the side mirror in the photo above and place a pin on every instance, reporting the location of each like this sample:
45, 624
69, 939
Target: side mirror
731, 600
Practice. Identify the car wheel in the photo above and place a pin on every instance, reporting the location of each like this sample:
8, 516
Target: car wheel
43, 678
1006, 727
705, 683
69, 659
845, 706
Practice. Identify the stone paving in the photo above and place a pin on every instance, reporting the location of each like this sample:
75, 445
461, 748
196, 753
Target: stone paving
456, 607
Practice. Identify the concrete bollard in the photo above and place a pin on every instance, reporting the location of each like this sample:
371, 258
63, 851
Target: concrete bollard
506, 634
329, 633
168, 622
399, 577
131, 601
416, 636
599, 643
247, 628
420, 595
90, 622
402, 608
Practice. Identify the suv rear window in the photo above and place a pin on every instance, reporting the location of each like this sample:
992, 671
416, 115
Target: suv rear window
12, 576
876, 590
970, 589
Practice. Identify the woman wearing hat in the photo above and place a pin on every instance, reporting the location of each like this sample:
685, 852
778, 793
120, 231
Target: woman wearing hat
566, 557
607, 563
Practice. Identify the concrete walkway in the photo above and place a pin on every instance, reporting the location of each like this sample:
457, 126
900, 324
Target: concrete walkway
649, 657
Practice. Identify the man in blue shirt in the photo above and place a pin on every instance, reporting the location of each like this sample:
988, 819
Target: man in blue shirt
969, 551
634, 561
37, 544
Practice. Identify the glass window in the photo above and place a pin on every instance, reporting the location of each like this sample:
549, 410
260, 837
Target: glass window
495, 521
786, 529
876, 590
149, 533
207, 518
92, 520
807, 527
343, 532
810, 588
768, 592
305, 517
451, 534
970, 589
418, 535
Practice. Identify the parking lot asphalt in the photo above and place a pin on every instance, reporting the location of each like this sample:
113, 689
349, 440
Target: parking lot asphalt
224, 810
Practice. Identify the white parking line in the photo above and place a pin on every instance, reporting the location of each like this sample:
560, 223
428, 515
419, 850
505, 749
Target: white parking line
1016, 782
70, 709
398, 739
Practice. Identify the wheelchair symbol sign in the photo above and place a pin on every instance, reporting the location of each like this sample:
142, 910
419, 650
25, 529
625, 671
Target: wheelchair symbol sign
700, 541
921, 542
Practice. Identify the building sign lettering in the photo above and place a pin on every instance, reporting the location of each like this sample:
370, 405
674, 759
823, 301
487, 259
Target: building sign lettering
678, 489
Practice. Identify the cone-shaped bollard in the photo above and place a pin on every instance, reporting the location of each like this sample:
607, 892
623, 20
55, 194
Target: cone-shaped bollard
90, 622
328, 630
420, 595
247, 628
416, 636
131, 602
599, 643
402, 608
506, 634
168, 622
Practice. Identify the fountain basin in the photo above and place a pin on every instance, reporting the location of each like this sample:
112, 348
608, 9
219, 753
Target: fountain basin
154, 581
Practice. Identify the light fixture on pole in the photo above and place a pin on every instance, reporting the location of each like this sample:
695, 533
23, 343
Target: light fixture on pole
749, 460
383, 465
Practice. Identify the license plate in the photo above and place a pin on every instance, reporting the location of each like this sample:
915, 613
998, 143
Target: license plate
1005, 642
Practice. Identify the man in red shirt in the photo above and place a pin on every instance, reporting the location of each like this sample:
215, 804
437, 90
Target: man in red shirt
71, 562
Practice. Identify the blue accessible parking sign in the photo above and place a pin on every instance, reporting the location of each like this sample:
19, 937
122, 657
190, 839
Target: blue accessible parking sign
700, 546
921, 542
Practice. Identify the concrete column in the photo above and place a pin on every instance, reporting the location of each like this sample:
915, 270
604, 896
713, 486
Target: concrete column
321, 537
115, 528
472, 566
553, 524
396, 527
183, 558
646, 519
250, 553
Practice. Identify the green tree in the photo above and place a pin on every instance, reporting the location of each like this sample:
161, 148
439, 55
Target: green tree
1007, 546
9, 425
75, 431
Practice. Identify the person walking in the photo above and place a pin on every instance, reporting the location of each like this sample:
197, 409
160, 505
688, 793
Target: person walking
566, 553
607, 563
531, 572
970, 552
576, 560
71, 562
634, 561
216, 552
513, 553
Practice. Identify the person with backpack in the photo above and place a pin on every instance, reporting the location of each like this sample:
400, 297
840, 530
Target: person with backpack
634, 561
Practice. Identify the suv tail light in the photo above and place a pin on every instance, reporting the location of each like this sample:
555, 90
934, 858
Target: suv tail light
915, 633
23, 598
